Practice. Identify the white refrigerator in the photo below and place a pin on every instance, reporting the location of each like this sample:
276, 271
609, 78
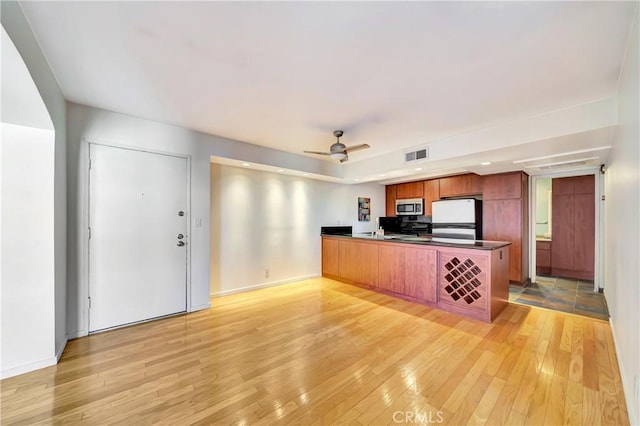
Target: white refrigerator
458, 220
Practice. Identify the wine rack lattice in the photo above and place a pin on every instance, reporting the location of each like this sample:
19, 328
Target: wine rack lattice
462, 280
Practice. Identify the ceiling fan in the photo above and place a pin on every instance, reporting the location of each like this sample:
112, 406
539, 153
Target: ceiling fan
338, 151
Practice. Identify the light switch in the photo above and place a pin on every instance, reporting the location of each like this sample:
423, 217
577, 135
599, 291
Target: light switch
198, 222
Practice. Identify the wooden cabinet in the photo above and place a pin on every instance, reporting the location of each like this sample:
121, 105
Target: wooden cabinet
330, 257
358, 261
467, 281
502, 186
409, 190
391, 269
390, 199
455, 186
573, 227
408, 270
543, 257
431, 194
507, 219
421, 278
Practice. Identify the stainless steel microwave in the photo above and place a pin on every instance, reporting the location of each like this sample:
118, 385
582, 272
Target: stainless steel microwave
410, 207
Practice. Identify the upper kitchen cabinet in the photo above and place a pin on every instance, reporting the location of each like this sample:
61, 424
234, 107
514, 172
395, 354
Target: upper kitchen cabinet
505, 218
409, 190
455, 186
503, 186
431, 194
390, 198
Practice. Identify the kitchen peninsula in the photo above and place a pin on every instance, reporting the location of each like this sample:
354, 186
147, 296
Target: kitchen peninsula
467, 279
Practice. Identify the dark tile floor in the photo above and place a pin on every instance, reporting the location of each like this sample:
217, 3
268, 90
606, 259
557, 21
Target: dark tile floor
562, 294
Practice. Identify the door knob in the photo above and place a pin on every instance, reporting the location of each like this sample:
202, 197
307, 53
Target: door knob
180, 243
180, 236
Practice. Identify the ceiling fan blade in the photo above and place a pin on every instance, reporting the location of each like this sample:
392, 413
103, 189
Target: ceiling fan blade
317, 152
356, 147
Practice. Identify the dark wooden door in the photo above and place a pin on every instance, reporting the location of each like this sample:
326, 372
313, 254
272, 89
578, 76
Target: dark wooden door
573, 227
562, 230
584, 258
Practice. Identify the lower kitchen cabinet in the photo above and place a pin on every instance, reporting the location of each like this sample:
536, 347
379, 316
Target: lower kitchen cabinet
330, 257
421, 278
391, 269
363, 264
466, 281
543, 257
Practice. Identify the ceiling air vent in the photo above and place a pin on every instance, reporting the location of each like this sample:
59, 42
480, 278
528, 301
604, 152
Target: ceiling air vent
417, 155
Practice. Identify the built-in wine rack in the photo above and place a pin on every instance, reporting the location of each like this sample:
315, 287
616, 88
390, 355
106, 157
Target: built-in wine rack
462, 281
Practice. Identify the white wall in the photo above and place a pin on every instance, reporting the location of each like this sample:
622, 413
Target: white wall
14, 22
27, 277
543, 188
87, 124
270, 220
622, 232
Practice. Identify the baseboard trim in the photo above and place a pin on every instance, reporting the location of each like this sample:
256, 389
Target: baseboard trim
626, 387
199, 307
263, 285
60, 349
77, 334
27, 368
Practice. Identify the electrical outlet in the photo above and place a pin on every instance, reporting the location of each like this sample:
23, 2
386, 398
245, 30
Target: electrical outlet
266, 272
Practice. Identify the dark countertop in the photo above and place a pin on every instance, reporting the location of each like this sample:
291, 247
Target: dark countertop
427, 241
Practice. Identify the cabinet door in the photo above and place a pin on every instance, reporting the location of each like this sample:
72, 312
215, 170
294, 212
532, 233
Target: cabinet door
391, 269
502, 186
585, 221
358, 262
502, 221
391, 191
330, 257
469, 184
409, 190
431, 193
421, 279
563, 229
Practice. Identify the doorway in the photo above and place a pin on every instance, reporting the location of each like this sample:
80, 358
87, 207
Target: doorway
578, 220
137, 236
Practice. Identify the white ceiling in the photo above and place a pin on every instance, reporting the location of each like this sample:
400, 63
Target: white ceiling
284, 75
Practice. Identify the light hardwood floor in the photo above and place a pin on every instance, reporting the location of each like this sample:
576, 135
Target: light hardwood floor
322, 352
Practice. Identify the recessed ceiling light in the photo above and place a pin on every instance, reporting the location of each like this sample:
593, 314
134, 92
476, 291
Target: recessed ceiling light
357, 180
246, 164
306, 174
417, 169
485, 163
280, 170
382, 175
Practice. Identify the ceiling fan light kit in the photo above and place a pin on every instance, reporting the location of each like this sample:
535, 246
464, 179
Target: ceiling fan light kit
338, 151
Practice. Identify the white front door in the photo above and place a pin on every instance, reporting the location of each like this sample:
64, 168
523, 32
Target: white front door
138, 225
